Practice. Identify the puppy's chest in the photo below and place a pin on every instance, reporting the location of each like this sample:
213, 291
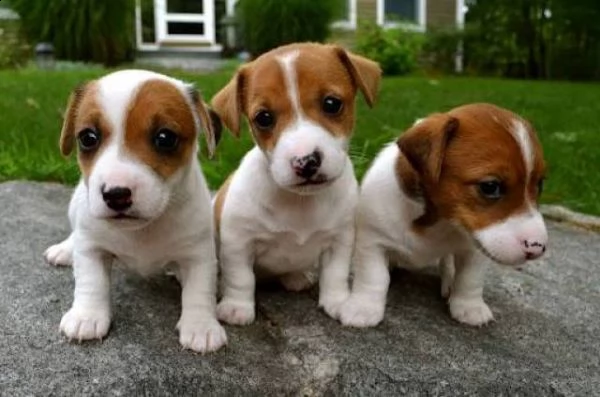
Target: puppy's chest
146, 254
294, 242
422, 249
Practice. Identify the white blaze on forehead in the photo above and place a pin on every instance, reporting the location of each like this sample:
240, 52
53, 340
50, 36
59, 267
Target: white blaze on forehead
521, 135
287, 62
117, 90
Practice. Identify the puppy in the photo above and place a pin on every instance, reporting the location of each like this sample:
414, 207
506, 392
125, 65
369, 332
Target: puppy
142, 199
290, 205
459, 187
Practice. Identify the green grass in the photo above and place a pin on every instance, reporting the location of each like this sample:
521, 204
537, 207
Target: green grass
566, 115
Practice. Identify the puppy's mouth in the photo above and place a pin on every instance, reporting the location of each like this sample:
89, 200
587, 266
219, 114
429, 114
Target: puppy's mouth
314, 182
493, 257
122, 216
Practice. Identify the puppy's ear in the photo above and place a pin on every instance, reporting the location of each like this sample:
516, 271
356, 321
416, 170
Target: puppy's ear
424, 145
365, 73
209, 121
229, 102
67, 134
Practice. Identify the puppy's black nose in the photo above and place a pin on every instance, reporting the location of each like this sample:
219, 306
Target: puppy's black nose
308, 165
117, 198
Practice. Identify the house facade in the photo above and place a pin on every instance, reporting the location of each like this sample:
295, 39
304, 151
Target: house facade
196, 25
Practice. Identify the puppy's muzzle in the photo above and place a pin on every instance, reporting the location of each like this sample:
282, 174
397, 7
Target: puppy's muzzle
117, 198
307, 166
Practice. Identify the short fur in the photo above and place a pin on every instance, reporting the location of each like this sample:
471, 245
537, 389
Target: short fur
421, 204
271, 220
169, 220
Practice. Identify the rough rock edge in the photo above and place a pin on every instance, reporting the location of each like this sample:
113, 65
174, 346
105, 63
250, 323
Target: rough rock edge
562, 214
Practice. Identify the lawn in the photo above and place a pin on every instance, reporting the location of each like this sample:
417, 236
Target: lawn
566, 115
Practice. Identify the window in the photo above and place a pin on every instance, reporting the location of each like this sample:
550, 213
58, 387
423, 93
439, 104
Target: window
346, 16
410, 13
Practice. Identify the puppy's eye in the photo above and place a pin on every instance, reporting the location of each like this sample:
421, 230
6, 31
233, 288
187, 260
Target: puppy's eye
88, 140
165, 140
540, 187
332, 105
492, 189
264, 119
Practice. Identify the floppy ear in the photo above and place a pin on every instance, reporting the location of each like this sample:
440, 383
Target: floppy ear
211, 126
424, 145
209, 121
365, 73
229, 102
67, 134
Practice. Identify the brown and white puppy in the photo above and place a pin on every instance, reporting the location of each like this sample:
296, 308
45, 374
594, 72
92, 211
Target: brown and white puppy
142, 199
290, 205
458, 187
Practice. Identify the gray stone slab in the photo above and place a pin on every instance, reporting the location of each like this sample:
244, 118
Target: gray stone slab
546, 340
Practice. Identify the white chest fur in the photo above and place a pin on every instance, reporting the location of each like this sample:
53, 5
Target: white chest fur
177, 234
286, 232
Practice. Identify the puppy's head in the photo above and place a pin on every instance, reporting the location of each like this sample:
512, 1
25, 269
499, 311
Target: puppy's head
299, 102
482, 168
136, 133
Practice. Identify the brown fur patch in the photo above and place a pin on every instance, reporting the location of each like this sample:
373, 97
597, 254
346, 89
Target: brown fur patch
84, 112
482, 147
220, 201
265, 90
408, 179
158, 104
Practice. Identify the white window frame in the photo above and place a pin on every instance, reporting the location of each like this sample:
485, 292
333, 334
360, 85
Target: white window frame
420, 25
350, 22
162, 18
230, 7
139, 37
460, 24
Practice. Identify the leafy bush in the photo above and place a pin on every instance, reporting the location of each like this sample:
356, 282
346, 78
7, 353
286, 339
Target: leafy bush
99, 31
396, 50
266, 24
558, 39
14, 50
440, 49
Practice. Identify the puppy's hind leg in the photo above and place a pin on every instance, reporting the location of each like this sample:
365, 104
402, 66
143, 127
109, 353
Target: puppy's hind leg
60, 254
298, 281
447, 272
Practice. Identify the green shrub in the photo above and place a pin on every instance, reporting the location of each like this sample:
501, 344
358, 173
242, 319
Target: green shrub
440, 49
266, 24
99, 31
396, 50
14, 50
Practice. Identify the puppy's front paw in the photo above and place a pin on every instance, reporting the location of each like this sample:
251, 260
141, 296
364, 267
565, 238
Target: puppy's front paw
80, 324
235, 312
59, 254
470, 311
202, 336
332, 303
360, 312
298, 281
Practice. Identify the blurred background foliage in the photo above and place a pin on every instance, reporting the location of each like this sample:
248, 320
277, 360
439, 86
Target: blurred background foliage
534, 39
